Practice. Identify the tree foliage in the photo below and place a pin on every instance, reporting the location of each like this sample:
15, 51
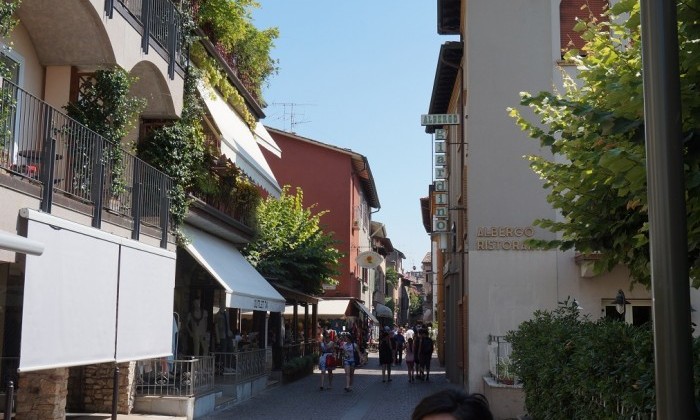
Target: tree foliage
574, 368
291, 247
415, 304
392, 277
596, 125
228, 23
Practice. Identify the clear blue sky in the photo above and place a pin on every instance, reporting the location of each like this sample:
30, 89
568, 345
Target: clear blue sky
361, 73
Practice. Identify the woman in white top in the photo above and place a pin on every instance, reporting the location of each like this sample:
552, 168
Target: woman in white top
348, 349
327, 355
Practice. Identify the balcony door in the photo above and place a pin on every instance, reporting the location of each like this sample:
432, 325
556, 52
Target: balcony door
11, 66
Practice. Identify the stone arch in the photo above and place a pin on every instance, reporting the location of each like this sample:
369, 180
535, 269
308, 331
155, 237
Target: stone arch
152, 86
58, 38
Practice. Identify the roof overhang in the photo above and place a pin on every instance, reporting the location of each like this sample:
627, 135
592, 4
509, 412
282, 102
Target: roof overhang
448, 17
446, 73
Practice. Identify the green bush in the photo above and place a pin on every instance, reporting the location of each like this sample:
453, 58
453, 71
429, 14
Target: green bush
299, 367
574, 368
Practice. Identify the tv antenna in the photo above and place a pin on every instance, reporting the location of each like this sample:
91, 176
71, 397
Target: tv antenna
291, 115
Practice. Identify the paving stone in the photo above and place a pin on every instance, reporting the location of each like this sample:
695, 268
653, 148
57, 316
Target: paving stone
369, 399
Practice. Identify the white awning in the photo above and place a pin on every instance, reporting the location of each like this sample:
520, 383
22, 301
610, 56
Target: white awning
265, 140
93, 297
245, 287
327, 307
238, 142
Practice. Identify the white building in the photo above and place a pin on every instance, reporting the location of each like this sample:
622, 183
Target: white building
488, 283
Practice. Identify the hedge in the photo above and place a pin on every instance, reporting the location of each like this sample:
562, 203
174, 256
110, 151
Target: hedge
575, 368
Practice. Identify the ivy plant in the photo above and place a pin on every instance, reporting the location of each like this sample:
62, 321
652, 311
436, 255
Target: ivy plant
105, 106
596, 124
178, 150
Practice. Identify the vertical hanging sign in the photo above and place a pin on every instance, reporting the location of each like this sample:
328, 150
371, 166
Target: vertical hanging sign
440, 195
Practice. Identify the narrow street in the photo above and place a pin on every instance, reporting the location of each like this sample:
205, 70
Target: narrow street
370, 398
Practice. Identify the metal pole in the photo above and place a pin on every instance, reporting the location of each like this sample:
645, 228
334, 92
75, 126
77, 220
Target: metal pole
9, 400
667, 211
115, 393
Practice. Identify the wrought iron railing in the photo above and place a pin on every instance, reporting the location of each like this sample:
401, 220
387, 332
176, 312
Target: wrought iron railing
241, 366
500, 366
161, 21
166, 377
44, 145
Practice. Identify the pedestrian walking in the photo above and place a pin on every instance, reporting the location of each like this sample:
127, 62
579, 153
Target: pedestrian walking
386, 355
326, 361
425, 353
410, 360
399, 342
348, 349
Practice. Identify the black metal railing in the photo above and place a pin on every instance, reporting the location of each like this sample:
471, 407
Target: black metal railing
161, 21
41, 143
168, 377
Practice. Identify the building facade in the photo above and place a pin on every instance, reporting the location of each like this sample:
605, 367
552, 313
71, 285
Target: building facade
339, 181
485, 197
100, 294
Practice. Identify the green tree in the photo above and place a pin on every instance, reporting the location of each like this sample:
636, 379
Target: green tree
291, 248
415, 304
596, 124
392, 277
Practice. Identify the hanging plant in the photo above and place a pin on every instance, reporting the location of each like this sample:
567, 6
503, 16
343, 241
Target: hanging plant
104, 106
178, 150
215, 76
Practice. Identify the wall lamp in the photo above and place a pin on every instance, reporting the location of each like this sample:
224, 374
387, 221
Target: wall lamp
620, 302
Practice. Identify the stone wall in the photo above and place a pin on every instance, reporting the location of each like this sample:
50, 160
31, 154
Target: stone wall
97, 387
42, 395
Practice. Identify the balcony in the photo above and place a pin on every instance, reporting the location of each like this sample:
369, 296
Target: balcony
159, 21
60, 160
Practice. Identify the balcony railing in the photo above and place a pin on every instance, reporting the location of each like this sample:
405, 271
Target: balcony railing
160, 21
241, 366
43, 145
163, 376
168, 377
500, 365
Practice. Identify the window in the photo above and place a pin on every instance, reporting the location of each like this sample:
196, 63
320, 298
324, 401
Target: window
637, 312
12, 63
569, 12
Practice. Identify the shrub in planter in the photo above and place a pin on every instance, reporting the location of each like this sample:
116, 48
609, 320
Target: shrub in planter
575, 368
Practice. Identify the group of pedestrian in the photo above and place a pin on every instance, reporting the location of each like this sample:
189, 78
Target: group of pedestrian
418, 346
335, 353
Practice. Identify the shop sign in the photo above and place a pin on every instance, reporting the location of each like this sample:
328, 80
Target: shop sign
439, 119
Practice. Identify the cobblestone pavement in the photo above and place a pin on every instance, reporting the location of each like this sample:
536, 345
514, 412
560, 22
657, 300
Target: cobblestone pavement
369, 399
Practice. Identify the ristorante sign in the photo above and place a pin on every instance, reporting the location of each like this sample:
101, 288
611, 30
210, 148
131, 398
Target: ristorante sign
503, 238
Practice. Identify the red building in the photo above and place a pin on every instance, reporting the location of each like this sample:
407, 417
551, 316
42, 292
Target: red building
340, 181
